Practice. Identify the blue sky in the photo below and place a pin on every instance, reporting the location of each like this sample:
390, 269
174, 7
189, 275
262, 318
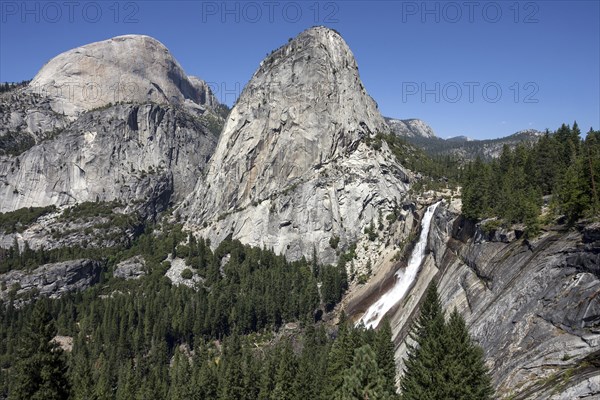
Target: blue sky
483, 69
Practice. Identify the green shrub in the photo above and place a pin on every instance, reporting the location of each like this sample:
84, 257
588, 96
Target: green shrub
19, 220
490, 226
334, 241
187, 274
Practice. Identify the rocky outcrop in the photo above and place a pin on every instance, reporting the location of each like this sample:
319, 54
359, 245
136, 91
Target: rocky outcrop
204, 95
291, 169
131, 268
174, 273
410, 128
533, 305
144, 155
25, 120
51, 280
130, 69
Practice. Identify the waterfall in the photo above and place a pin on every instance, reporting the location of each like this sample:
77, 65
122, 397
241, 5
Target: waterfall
404, 277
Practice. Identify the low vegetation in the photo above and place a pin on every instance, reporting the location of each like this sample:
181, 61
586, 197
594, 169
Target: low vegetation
19, 220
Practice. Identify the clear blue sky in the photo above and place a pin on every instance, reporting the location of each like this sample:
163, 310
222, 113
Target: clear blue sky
443, 62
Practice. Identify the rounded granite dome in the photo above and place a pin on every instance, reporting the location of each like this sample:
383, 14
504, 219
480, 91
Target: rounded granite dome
130, 68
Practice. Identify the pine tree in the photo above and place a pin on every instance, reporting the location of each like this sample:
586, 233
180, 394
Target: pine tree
572, 196
267, 377
338, 360
286, 371
205, 379
81, 374
591, 167
126, 385
311, 365
423, 377
232, 376
364, 379
41, 371
444, 364
475, 192
384, 350
180, 372
466, 376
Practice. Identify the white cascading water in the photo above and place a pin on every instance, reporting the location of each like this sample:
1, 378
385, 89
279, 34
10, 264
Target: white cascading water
404, 277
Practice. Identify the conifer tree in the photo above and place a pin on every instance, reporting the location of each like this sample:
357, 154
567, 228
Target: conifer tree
233, 376
465, 374
444, 364
572, 195
286, 371
384, 351
363, 380
41, 371
312, 362
591, 168
423, 376
338, 360
267, 377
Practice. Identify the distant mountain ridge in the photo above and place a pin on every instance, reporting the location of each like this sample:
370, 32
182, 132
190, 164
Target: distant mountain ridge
420, 134
469, 149
410, 127
460, 138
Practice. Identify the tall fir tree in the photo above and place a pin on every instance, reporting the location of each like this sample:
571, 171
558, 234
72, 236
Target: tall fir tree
444, 364
384, 351
423, 377
286, 372
364, 379
41, 371
465, 374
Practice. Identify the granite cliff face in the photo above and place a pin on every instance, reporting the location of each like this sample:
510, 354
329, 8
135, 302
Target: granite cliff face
26, 119
292, 169
146, 154
532, 305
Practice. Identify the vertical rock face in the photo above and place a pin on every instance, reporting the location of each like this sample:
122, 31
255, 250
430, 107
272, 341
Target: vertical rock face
145, 154
136, 154
291, 168
130, 68
52, 280
203, 95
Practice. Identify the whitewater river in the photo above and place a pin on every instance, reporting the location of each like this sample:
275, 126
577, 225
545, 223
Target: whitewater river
404, 277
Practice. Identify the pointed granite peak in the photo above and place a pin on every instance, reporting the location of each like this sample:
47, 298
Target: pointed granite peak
305, 106
293, 139
320, 41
